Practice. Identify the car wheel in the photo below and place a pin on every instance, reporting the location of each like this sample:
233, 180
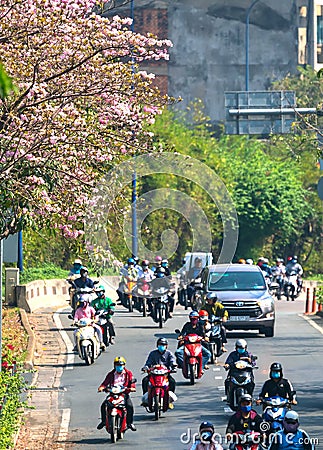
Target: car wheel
269, 331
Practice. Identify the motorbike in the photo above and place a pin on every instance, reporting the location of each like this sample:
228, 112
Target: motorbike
215, 343
159, 397
87, 342
274, 412
240, 381
128, 294
197, 299
182, 291
160, 305
248, 440
102, 319
77, 292
192, 362
143, 293
116, 412
290, 288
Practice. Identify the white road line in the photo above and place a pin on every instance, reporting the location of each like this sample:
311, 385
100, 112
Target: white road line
221, 388
66, 339
216, 369
218, 378
63, 430
311, 322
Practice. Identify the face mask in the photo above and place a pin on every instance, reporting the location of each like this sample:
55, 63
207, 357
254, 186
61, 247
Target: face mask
119, 369
194, 321
240, 350
275, 375
290, 427
245, 408
162, 348
206, 436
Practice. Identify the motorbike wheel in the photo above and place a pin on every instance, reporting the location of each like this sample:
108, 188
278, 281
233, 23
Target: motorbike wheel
118, 427
287, 294
88, 355
130, 303
113, 429
156, 407
213, 350
144, 307
185, 300
160, 318
191, 369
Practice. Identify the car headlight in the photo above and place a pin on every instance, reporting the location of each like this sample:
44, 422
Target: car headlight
268, 303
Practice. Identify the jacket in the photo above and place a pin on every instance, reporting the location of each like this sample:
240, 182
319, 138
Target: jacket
239, 423
109, 380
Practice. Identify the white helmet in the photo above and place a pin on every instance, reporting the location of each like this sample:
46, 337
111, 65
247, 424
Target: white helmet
241, 343
292, 415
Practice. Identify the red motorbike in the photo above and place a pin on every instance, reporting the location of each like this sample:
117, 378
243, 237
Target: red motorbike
192, 362
158, 390
116, 412
250, 440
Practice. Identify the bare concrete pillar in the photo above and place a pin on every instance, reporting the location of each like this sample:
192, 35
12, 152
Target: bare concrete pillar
12, 280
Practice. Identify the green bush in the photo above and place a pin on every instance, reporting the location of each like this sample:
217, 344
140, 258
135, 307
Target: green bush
45, 272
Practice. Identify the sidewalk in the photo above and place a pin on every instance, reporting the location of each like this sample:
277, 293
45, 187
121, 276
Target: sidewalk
42, 424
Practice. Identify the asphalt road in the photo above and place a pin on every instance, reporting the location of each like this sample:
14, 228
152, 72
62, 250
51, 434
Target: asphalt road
297, 345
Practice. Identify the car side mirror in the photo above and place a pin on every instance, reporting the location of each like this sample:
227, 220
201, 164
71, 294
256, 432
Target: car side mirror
177, 331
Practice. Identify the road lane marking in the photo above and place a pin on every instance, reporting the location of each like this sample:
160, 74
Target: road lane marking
218, 378
311, 322
216, 369
63, 430
66, 339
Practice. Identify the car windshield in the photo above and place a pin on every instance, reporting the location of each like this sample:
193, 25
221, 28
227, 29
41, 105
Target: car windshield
236, 281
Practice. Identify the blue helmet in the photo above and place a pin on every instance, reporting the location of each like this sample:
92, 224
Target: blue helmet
160, 272
193, 314
131, 261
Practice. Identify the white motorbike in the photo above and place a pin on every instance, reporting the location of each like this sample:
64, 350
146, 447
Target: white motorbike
87, 342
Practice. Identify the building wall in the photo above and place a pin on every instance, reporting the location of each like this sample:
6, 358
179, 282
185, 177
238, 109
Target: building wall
208, 57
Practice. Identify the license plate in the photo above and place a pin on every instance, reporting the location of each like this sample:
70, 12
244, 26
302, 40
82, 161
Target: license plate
239, 318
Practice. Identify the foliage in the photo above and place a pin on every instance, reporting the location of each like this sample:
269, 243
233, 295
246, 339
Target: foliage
47, 271
79, 107
11, 381
6, 84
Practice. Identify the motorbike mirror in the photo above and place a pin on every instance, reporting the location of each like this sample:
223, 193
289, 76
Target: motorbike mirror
70, 316
254, 358
96, 282
177, 331
293, 392
134, 380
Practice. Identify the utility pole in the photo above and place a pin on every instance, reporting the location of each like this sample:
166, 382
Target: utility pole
247, 42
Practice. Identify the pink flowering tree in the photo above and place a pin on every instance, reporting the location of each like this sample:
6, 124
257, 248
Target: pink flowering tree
78, 107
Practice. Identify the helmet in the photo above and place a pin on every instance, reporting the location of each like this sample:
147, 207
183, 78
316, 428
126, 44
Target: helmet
204, 315
280, 260
136, 259
241, 343
101, 288
145, 263
83, 301
249, 261
84, 269
77, 261
193, 314
197, 260
242, 261
164, 263
160, 273
131, 261
276, 367
212, 296
119, 360
261, 259
289, 258
158, 259
245, 398
265, 260
291, 415
294, 258
162, 341
207, 426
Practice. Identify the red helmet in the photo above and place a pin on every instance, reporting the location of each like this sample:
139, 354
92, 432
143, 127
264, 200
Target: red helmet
204, 315
145, 263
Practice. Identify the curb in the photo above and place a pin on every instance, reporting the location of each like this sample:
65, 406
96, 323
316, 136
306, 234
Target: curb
28, 364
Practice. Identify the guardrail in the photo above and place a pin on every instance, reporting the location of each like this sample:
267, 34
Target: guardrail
311, 304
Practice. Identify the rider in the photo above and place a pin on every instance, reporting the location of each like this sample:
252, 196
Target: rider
215, 308
162, 281
84, 310
164, 264
242, 261
128, 273
277, 385
158, 261
240, 353
294, 266
75, 269
160, 356
206, 441
119, 376
192, 274
291, 436
192, 327
245, 419
84, 281
279, 270
145, 273
107, 305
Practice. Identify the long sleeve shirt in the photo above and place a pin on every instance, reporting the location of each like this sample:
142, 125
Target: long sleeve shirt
155, 357
188, 328
282, 387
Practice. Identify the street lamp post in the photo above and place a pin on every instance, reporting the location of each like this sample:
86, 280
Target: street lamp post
247, 42
134, 175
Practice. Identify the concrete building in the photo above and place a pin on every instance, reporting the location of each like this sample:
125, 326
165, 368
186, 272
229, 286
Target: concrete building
209, 37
